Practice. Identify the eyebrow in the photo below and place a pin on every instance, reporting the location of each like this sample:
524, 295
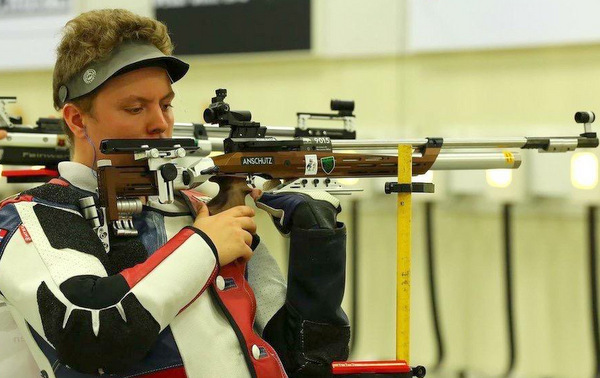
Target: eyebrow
134, 98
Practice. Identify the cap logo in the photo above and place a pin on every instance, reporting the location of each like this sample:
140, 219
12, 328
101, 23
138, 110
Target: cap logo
89, 76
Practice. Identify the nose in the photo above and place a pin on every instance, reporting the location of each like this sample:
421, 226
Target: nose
157, 122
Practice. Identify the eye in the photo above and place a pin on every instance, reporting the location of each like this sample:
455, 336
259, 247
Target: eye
166, 107
136, 110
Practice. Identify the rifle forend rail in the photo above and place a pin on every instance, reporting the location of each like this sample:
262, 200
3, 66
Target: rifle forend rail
546, 144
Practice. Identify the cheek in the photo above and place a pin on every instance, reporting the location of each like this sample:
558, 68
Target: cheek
118, 125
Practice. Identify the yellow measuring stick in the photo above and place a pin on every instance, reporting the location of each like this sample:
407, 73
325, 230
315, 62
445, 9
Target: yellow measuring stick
404, 213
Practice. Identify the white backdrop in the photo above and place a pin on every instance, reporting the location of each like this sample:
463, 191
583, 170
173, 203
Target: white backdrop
446, 25
29, 35
29, 42
360, 28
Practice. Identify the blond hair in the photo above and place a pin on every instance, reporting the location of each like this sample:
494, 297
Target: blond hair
91, 37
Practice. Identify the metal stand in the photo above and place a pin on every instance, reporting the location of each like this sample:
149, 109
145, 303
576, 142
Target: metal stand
400, 367
403, 245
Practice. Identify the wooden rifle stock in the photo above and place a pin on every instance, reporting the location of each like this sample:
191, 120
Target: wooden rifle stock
117, 182
292, 164
134, 182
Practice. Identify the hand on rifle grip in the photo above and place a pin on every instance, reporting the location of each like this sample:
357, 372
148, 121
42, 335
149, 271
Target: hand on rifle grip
3, 134
230, 231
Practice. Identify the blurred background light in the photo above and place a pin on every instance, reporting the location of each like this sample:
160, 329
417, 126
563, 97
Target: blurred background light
498, 178
584, 170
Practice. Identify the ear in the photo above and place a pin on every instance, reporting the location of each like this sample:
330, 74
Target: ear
74, 119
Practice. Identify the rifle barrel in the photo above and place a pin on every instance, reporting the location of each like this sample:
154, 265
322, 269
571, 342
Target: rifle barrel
449, 143
477, 160
555, 144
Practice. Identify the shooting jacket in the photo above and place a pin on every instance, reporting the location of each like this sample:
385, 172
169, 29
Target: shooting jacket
159, 305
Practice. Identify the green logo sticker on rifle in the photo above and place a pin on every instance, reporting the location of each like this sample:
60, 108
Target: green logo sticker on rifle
328, 164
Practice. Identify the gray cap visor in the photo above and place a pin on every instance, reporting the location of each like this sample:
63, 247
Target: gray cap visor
126, 57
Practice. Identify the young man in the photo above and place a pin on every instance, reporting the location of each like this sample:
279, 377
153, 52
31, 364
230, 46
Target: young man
194, 294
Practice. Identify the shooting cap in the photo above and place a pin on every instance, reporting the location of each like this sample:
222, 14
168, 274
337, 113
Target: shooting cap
128, 56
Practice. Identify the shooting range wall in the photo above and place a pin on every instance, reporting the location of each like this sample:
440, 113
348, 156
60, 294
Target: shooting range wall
512, 91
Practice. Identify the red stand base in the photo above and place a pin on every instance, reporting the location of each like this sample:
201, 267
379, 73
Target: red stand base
364, 369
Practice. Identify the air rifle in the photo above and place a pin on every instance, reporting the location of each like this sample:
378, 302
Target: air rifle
162, 166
